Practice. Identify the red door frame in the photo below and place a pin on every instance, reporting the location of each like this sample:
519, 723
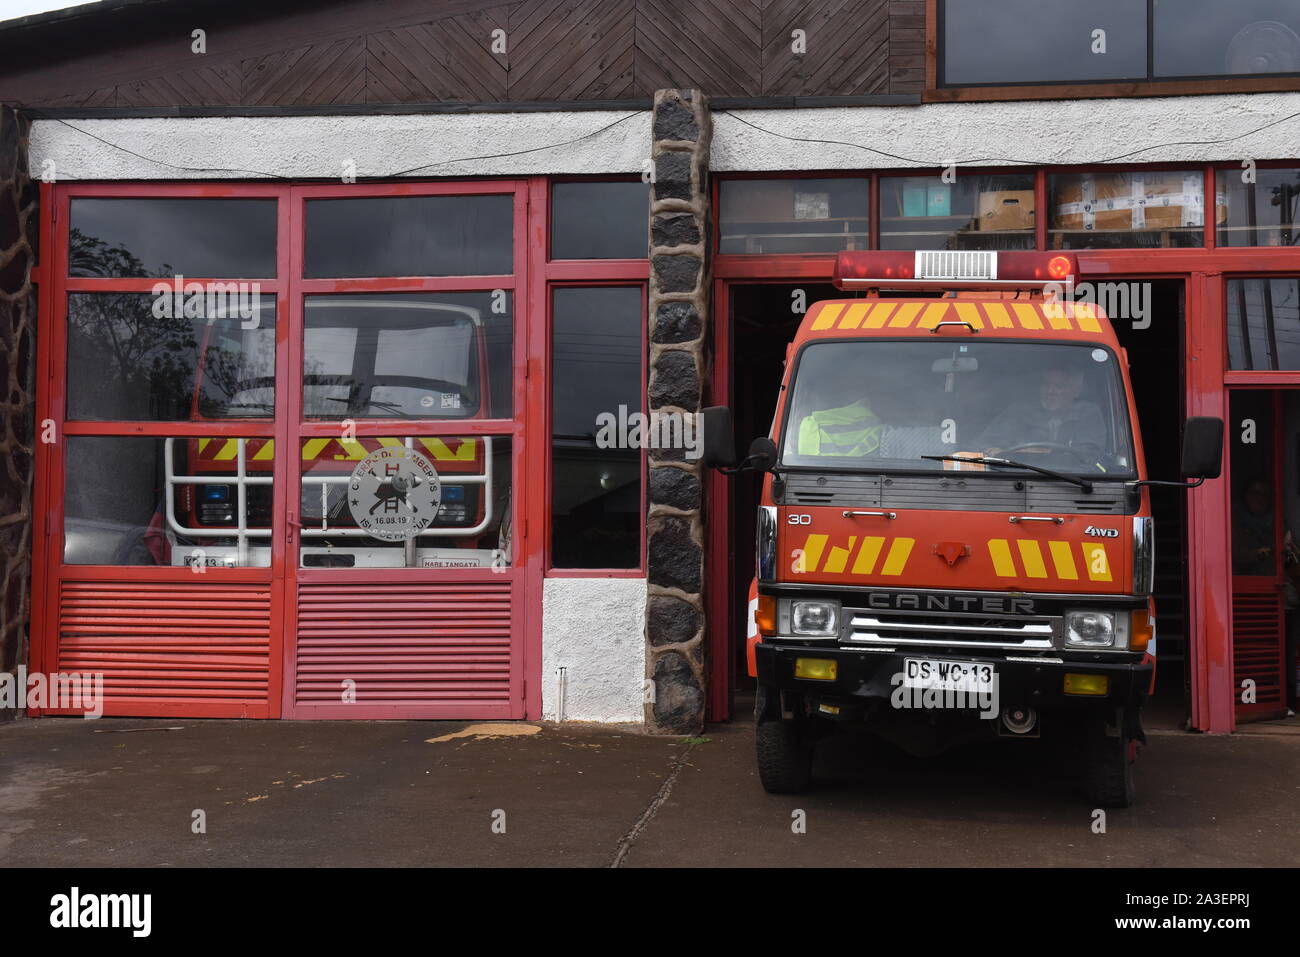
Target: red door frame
529, 455
1205, 271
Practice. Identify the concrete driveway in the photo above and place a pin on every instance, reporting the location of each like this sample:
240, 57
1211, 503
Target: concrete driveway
159, 793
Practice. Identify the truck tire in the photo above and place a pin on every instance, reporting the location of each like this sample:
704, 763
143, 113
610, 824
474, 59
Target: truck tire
1110, 769
784, 761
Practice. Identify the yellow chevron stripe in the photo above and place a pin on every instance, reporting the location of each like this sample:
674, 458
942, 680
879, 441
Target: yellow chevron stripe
812, 552
1058, 314
897, 557
1032, 556
313, 447
826, 318
998, 315
440, 451
853, 315
879, 314
352, 451
1086, 316
839, 557
1098, 562
1028, 315
1063, 559
203, 444
906, 313
969, 312
1000, 552
933, 315
868, 554
266, 453
228, 451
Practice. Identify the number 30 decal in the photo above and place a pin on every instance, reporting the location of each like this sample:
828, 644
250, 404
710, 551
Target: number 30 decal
800, 519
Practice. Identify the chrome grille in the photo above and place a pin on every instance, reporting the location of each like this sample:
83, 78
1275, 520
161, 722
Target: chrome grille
869, 626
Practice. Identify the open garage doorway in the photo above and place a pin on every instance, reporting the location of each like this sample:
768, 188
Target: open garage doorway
761, 319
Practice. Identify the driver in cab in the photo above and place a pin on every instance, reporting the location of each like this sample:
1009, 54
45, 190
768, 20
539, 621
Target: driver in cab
1054, 416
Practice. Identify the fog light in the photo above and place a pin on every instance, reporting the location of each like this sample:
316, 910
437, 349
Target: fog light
828, 708
1087, 684
818, 669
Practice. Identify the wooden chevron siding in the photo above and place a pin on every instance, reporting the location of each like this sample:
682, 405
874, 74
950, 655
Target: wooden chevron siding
409, 51
713, 45
847, 47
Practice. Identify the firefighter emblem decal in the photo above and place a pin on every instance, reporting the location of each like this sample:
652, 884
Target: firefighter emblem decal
394, 493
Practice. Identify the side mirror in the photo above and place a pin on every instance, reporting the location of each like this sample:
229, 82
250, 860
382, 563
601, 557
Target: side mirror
1203, 447
762, 455
718, 437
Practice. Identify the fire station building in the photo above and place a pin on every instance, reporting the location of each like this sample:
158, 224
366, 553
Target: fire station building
349, 361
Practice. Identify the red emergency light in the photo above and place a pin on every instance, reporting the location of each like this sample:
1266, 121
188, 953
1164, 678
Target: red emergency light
951, 268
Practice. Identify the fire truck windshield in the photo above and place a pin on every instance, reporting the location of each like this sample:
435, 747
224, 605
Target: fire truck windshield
881, 405
362, 357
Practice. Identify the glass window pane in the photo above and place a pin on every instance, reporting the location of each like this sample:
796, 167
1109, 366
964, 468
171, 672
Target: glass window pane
975, 212
1042, 41
405, 501
138, 356
595, 478
410, 236
445, 355
1262, 213
119, 489
599, 220
167, 237
1264, 323
1216, 38
794, 215
1151, 208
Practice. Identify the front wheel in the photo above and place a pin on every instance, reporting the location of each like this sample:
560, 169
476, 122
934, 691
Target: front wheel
784, 761
1110, 769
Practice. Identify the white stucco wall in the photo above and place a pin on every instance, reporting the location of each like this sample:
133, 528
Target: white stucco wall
595, 629
472, 144
1139, 130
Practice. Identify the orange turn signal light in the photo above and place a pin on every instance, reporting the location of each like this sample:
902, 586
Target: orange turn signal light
765, 616
1140, 631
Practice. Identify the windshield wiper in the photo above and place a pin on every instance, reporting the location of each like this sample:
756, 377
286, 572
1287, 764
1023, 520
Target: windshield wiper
386, 406
988, 460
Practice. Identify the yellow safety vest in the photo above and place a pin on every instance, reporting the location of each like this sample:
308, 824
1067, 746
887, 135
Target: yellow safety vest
849, 430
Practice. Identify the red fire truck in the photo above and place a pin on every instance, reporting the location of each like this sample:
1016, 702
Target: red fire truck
955, 536
388, 358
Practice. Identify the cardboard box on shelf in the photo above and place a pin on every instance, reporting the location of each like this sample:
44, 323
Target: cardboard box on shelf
1006, 209
1143, 201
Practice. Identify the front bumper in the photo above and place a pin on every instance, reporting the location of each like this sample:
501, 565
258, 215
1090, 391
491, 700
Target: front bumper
868, 678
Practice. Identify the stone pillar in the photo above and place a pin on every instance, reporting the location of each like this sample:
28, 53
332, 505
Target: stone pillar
678, 329
17, 387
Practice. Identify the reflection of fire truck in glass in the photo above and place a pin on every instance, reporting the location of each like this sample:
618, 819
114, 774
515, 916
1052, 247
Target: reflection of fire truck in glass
385, 357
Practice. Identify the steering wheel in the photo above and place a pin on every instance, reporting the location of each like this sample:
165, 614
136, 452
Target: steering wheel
1051, 447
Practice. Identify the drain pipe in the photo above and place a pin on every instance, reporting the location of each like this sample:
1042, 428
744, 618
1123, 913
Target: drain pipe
561, 690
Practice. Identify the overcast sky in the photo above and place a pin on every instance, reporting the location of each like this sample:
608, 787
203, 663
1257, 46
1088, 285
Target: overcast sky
25, 8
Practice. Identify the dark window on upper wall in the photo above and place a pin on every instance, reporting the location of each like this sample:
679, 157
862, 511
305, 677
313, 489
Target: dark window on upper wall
599, 220
794, 215
130, 360
1263, 213
199, 238
1041, 41
1264, 324
596, 374
1226, 37
975, 212
410, 236
1142, 209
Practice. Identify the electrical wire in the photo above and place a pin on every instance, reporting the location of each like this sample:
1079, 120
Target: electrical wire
999, 159
406, 172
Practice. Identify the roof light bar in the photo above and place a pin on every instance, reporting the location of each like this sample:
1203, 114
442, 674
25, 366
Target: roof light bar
951, 269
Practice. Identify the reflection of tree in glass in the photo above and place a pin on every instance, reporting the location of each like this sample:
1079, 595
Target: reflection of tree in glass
136, 355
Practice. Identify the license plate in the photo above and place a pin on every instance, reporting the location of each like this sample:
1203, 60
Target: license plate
968, 676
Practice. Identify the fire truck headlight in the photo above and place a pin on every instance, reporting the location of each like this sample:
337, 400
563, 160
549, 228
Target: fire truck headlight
1095, 629
815, 618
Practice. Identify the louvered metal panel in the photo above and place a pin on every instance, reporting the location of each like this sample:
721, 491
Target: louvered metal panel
954, 492
1257, 650
168, 648
426, 650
